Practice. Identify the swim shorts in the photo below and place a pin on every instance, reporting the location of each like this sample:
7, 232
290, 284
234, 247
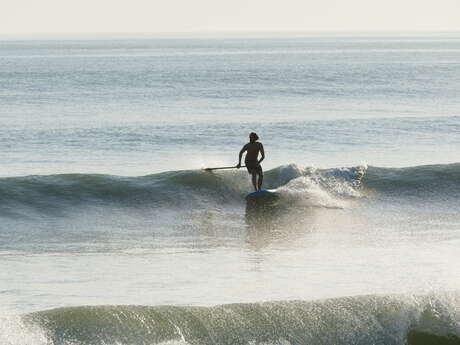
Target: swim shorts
253, 167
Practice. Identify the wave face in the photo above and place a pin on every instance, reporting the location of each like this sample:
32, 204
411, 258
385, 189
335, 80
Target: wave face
306, 186
350, 320
46, 193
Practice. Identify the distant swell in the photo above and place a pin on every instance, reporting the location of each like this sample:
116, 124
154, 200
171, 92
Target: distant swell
302, 185
365, 320
419, 180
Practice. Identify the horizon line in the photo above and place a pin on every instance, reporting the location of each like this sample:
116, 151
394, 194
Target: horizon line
337, 31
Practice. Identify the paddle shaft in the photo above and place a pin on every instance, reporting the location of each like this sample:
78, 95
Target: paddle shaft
220, 168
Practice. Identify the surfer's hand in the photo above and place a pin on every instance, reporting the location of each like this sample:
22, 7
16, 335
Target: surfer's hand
238, 165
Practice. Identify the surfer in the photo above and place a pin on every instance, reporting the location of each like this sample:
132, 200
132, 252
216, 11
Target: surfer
252, 160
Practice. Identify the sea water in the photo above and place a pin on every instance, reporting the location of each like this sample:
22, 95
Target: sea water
111, 232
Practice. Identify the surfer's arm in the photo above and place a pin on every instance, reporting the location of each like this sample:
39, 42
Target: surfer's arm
262, 153
241, 156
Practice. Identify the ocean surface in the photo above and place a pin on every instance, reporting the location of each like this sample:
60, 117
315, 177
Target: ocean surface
111, 232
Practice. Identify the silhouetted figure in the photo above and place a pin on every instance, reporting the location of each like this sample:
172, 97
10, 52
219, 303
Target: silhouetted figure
252, 160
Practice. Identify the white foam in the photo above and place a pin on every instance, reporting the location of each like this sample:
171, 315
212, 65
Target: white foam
321, 188
14, 331
290, 172
342, 181
174, 342
307, 192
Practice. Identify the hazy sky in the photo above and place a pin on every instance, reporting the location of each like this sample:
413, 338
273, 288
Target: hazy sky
64, 16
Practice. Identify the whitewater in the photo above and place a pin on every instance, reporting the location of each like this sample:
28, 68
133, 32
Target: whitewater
112, 232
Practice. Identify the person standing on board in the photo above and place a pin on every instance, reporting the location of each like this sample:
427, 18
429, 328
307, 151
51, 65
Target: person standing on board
252, 160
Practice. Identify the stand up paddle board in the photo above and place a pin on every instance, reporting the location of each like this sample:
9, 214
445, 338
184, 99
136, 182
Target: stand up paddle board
262, 195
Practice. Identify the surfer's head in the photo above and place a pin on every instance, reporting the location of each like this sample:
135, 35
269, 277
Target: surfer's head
253, 137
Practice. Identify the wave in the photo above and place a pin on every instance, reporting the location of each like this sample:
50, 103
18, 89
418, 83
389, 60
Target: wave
361, 320
174, 188
305, 186
419, 180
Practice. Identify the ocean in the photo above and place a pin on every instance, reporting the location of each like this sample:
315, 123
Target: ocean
112, 232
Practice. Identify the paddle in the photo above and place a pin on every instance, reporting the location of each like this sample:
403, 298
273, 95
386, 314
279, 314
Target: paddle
220, 168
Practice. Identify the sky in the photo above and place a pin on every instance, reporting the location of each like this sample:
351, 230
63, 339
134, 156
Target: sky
170, 16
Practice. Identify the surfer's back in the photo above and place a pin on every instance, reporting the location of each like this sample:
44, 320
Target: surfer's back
252, 150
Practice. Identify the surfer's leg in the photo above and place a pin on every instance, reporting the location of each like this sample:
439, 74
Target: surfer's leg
261, 179
254, 180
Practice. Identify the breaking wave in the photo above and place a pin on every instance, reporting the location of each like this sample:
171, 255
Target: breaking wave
362, 320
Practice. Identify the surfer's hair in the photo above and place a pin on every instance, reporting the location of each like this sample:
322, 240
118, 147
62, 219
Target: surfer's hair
253, 136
